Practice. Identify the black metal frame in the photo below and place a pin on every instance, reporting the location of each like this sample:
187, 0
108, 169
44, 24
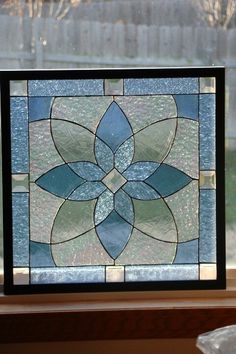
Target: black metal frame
6, 76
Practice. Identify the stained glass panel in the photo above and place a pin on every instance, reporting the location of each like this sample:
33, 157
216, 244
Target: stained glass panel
113, 180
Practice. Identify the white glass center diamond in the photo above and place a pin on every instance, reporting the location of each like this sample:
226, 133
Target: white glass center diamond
114, 180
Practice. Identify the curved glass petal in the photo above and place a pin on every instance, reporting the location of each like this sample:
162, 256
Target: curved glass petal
140, 190
124, 206
72, 219
168, 180
114, 127
114, 233
155, 219
103, 155
139, 171
88, 191
104, 206
124, 155
40, 255
73, 142
154, 142
87, 170
60, 180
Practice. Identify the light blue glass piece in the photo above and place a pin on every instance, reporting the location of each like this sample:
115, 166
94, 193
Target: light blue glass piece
140, 190
60, 181
207, 131
114, 127
87, 170
20, 209
187, 106
171, 86
65, 87
124, 206
19, 133
104, 206
104, 156
168, 180
114, 233
139, 171
61, 275
124, 155
207, 241
187, 252
39, 108
88, 191
40, 255
161, 272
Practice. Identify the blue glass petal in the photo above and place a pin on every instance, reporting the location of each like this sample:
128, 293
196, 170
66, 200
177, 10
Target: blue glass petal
187, 252
114, 127
60, 181
124, 206
124, 155
114, 233
168, 180
39, 108
87, 191
104, 206
187, 106
139, 171
103, 155
140, 190
40, 255
87, 170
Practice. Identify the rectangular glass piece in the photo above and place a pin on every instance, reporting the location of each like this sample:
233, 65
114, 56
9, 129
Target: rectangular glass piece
207, 239
207, 131
20, 220
65, 87
171, 86
161, 273
67, 275
18, 88
207, 85
208, 271
114, 87
19, 135
207, 179
21, 276
20, 182
115, 274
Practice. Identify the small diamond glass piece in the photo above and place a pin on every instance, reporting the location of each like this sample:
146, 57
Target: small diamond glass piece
114, 180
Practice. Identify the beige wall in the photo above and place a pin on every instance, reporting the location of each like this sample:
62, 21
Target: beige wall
161, 346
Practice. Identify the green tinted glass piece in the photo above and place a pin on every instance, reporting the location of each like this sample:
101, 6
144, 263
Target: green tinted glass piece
73, 142
82, 250
185, 203
154, 218
43, 210
144, 110
86, 111
143, 249
42, 149
184, 152
73, 219
154, 142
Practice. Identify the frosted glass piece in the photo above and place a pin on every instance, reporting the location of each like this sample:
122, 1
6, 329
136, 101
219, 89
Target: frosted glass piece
18, 88
207, 131
114, 87
207, 226
161, 272
207, 84
155, 219
20, 183
104, 206
140, 171
72, 219
169, 86
43, 154
154, 142
86, 111
87, 191
207, 179
143, 249
184, 152
185, 203
20, 230
103, 155
140, 190
65, 87
87, 170
43, 209
144, 110
73, 142
115, 274
19, 135
124, 155
82, 250
67, 275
